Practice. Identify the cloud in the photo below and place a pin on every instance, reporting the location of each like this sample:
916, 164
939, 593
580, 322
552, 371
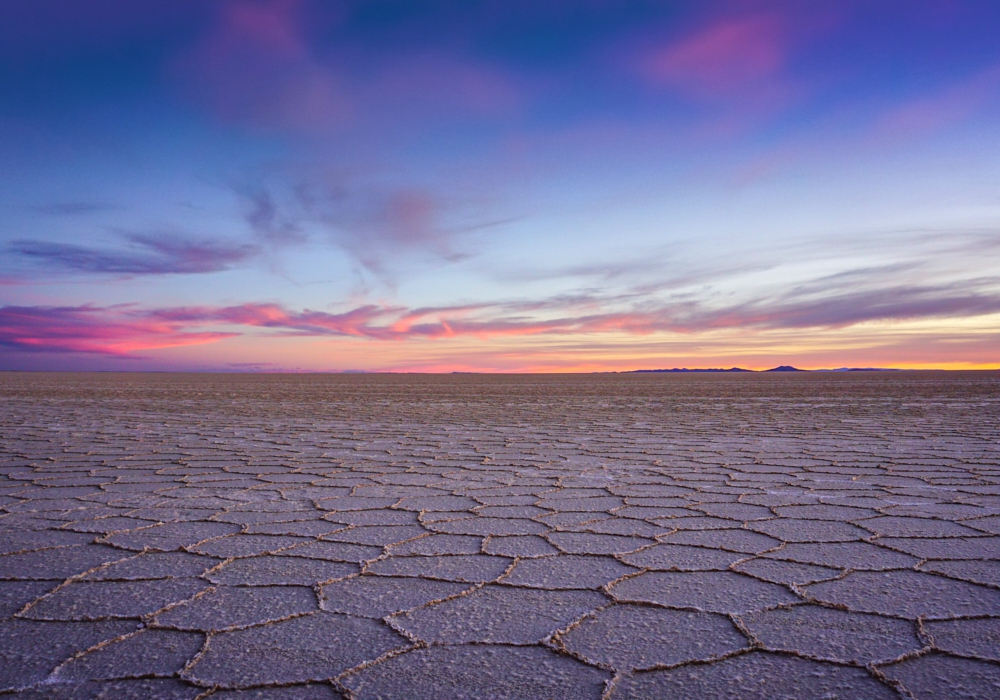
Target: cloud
150, 255
256, 67
268, 223
656, 270
112, 331
357, 322
436, 83
898, 303
273, 65
822, 307
947, 107
744, 63
379, 225
727, 57
834, 303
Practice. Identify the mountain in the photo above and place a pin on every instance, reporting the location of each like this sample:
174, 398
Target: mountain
685, 369
860, 369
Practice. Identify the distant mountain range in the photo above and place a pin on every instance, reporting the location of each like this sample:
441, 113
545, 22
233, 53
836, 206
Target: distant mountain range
781, 368
860, 369
685, 369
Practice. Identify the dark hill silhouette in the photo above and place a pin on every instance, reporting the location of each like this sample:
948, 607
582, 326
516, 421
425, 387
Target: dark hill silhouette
860, 369
685, 369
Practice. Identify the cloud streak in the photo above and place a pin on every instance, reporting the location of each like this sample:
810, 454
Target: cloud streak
120, 330
265, 64
378, 225
108, 331
723, 58
952, 105
150, 255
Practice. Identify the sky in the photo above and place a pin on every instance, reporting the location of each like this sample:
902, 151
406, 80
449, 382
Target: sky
499, 186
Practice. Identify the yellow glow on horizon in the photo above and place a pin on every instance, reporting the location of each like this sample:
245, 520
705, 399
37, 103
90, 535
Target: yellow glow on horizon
956, 344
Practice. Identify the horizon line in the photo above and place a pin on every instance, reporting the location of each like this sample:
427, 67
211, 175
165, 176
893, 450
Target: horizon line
708, 371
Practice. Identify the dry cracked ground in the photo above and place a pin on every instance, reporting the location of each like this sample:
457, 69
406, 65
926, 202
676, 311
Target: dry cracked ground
605, 536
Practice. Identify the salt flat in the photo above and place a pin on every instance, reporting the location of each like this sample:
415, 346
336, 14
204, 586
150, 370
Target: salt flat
584, 536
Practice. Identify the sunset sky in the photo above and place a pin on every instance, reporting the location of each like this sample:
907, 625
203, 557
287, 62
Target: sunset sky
519, 185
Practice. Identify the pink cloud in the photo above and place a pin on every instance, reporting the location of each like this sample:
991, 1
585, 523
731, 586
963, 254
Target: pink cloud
437, 82
836, 310
356, 322
121, 330
727, 57
256, 67
948, 107
381, 225
263, 64
88, 329
409, 217
741, 61
270, 25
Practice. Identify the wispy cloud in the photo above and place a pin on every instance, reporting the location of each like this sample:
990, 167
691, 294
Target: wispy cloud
265, 64
358, 322
256, 67
109, 331
848, 308
381, 226
148, 255
268, 223
738, 63
829, 303
378, 227
944, 108
729, 56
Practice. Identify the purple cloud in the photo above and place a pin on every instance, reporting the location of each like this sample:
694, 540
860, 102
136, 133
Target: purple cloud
378, 225
111, 331
151, 255
268, 223
121, 330
949, 106
269, 65
730, 56
256, 66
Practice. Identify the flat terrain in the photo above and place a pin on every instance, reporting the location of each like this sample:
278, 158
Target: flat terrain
573, 537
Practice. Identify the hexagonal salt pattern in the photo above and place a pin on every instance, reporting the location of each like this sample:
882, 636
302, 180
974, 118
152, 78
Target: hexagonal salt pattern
586, 536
